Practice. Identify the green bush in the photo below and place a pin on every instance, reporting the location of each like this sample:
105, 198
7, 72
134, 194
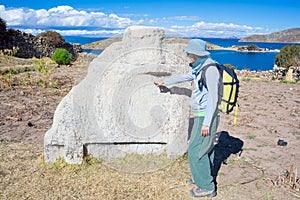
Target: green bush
61, 56
288, 56
249, 47
252, 47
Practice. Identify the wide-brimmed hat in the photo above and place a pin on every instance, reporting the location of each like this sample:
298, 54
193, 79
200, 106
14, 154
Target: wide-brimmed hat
197, 47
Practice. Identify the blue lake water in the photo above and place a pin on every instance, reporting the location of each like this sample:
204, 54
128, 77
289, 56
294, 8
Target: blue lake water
82, 40
252, 61
235, 42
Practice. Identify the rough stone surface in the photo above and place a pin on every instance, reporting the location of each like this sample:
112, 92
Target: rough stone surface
117, 109
30, 46
289, 75
292, 74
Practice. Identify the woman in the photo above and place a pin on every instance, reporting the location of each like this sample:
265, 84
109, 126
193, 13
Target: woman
204, 101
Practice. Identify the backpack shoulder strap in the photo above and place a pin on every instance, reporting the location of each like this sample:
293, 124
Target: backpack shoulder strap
202, 80
204, 68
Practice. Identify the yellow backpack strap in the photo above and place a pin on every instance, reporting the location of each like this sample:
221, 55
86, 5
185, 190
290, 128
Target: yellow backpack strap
235, 114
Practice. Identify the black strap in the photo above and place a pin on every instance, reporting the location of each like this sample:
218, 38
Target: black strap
202, 80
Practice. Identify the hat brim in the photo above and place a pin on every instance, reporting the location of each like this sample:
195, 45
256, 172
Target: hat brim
200, 53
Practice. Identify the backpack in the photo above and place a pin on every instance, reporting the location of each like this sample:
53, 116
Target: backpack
228, 88
226, 146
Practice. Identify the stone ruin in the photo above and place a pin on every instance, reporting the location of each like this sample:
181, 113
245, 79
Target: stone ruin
29, 46
291, 74
117, 110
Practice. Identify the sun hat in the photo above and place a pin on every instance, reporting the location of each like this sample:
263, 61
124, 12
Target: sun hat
197, 47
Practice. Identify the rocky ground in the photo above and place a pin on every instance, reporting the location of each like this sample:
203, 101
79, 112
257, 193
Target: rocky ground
269, 111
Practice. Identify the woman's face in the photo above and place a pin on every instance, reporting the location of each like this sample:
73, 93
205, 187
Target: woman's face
192, 57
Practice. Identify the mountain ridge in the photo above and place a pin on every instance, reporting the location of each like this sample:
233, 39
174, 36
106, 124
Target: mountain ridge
286, 36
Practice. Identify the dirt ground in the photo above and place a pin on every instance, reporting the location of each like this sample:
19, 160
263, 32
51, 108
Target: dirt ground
269, 111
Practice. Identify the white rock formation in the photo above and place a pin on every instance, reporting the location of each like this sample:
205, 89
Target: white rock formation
116, 109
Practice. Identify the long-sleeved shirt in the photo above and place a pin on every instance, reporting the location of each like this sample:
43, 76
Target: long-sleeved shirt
205, 100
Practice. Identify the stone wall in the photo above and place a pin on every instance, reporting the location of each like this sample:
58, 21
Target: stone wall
31, 46
292, 74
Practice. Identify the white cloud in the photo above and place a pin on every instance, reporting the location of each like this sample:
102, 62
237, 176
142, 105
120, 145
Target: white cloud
72, 32
204, 29
63, 10
184, 18
64, 16
70, 21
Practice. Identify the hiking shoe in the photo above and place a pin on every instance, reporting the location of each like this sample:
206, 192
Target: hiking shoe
199, 192
191, 181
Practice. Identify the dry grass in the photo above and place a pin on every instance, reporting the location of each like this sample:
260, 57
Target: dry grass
23, 174
137, 163
289, 179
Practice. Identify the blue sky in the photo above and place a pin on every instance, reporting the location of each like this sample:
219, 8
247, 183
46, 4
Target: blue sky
206, 18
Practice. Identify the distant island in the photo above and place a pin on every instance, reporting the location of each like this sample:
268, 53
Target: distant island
251, 48
287, 36
102, 44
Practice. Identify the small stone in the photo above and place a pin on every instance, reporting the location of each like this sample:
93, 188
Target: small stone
30, 124
289, 76
281, 142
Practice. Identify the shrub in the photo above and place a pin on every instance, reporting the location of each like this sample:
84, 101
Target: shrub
61, 56
249, 47
252, 47
288, 56
230, 66
3, 33
2, 25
